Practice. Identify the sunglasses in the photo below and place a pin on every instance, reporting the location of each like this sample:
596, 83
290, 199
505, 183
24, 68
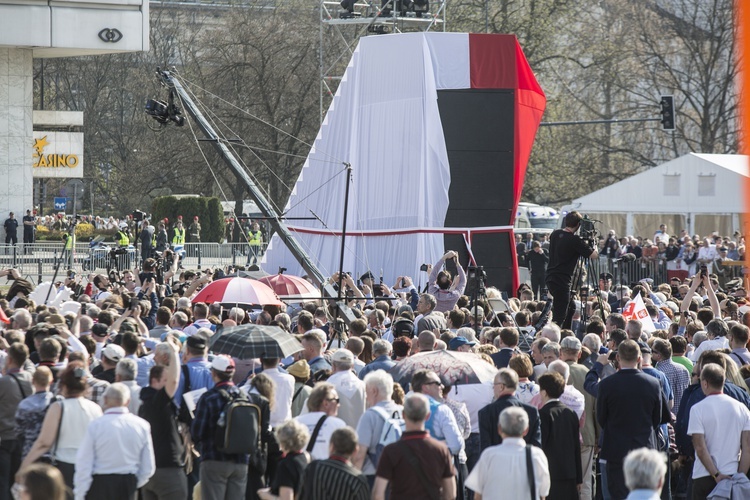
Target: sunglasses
335, 400
434, 382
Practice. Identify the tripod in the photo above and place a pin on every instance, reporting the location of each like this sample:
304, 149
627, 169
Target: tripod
584, 264
64, 255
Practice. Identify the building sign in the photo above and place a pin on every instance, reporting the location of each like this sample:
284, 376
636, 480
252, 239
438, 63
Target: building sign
58, 154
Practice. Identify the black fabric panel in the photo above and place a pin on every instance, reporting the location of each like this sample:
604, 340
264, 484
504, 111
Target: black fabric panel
478, 128
477, 120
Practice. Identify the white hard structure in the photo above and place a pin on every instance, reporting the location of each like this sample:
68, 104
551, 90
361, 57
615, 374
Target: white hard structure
50, 28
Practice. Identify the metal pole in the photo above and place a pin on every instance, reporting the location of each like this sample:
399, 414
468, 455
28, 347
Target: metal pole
343, 227
265, 207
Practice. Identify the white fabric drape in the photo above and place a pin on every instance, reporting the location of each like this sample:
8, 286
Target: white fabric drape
384, 120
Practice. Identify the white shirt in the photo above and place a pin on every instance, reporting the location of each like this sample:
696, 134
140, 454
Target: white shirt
77, 414
282, 408
116, 443
358, 365
135, 396
509, 458
475, 397
320, 450
709, 345
351, 392
722, 441
197, 325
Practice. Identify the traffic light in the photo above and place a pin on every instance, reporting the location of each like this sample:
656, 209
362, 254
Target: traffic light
667, 112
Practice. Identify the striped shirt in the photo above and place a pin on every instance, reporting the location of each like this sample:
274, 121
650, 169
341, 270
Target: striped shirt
334, 479
678, 377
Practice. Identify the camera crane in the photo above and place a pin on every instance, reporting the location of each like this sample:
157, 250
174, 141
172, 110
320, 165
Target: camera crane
165, 112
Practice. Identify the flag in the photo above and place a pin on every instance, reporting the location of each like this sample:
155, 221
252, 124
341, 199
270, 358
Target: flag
636, 309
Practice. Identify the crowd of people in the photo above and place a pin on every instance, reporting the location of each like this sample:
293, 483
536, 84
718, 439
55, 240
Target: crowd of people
177, 232
117, 391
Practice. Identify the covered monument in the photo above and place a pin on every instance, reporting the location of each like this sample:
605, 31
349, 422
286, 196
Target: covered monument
438, 129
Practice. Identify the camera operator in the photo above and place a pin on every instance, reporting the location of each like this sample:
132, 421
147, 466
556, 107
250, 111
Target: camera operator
565, 249
446, 291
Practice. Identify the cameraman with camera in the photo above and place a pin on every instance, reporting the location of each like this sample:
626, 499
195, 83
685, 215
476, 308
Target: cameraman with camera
564, 250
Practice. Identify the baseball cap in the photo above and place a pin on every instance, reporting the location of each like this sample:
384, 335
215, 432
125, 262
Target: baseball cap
570, 342
645, 349
196, 342
343, 355
457, 342
223, 364
99, 330
113, 352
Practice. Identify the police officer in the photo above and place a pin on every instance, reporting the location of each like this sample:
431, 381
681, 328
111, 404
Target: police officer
178, 238
255, 241
195, 230
11, 226
121, 236
29, 225
564, 250
194, 233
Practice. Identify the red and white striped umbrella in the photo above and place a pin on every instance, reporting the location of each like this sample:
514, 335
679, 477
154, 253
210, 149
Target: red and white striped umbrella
286, 285
238, 291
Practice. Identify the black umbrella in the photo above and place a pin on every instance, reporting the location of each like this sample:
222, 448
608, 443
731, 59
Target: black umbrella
254, 341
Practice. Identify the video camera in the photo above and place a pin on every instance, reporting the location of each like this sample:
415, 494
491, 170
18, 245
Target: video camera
475, 280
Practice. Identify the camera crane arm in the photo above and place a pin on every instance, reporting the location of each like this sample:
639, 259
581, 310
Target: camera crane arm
171, 82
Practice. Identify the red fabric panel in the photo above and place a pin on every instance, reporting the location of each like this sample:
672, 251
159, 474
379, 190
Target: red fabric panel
497, 62
492, 61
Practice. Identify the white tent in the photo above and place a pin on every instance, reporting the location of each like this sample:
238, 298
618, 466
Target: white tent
702, 193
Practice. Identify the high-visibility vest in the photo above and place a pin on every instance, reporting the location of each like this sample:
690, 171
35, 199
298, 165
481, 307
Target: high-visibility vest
179, 236
122, 239
254, 238
68, 241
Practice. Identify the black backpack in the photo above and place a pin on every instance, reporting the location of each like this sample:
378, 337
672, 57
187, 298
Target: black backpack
239, 424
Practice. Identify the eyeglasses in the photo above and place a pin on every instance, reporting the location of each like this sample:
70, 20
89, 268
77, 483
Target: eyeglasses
434, 382
336, 400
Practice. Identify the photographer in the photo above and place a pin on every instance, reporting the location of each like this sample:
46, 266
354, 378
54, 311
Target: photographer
565, 249
445, 291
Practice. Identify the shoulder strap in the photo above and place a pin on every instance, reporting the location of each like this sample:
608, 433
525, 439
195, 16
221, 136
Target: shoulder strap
316, 431
57, 436
294, 398
186, 373
20, 387
530, 472
380, 411
740, 358
414, 462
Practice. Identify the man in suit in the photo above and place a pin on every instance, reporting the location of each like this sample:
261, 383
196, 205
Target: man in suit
506, 383
560, 439
506, 342
629, 408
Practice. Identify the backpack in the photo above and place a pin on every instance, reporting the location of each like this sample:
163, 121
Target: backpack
393, 428
238, 427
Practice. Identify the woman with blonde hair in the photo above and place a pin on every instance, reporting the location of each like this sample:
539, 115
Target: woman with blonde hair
292, 437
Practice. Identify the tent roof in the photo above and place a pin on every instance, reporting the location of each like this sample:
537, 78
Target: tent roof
694, 183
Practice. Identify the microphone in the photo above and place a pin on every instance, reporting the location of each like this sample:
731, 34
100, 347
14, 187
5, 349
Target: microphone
628, 257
